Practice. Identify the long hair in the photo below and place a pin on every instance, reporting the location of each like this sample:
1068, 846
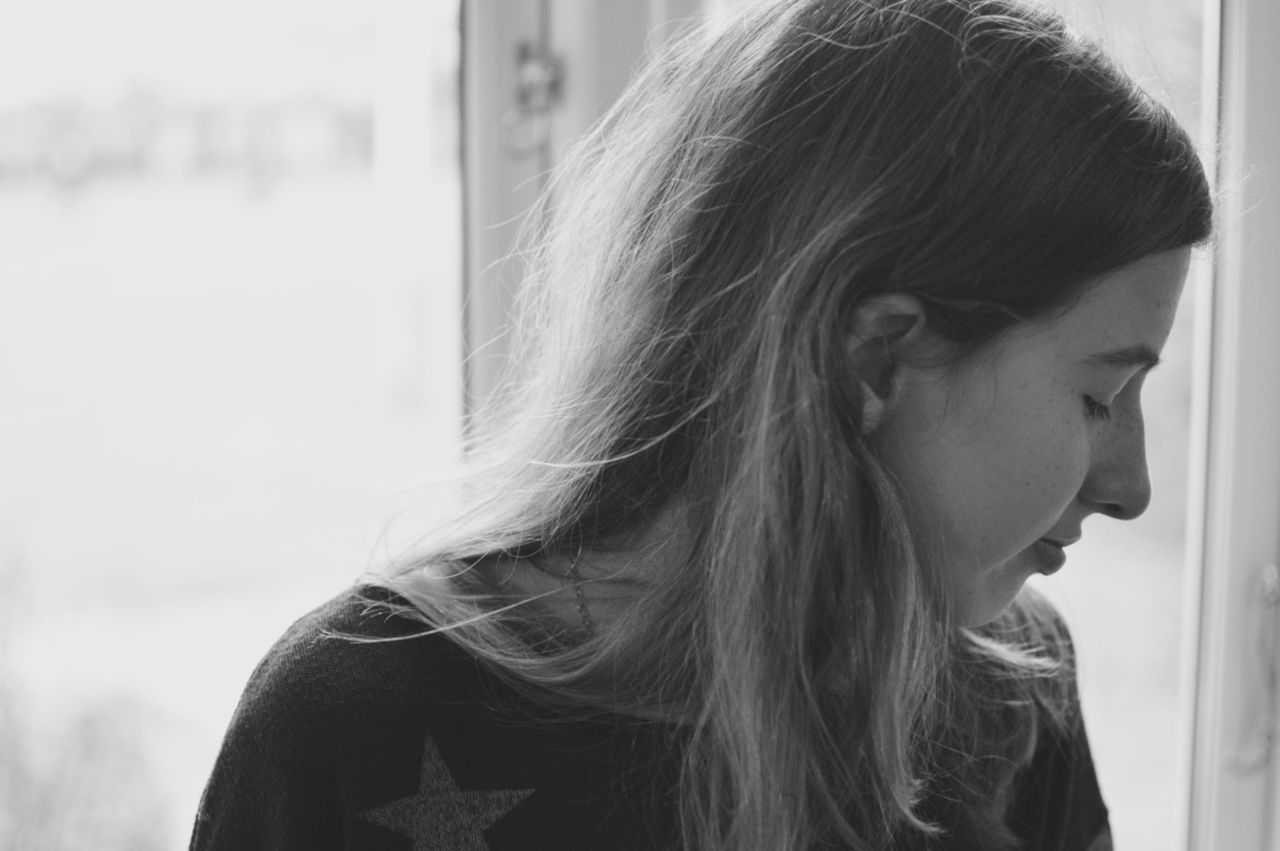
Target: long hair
682, 343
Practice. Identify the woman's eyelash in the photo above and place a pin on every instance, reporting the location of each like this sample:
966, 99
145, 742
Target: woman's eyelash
1096, 410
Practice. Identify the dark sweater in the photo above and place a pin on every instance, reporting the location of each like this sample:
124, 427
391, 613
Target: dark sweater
411, 744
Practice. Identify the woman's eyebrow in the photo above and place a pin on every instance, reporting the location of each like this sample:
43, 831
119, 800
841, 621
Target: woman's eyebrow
1128, 357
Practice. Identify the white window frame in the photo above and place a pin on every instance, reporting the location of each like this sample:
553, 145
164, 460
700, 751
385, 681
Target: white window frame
1238, 416
598, 43
498, 188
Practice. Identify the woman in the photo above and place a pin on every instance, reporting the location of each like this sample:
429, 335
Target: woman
836, 334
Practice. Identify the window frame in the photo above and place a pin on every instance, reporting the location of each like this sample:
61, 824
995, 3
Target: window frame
599, 43
1235, 510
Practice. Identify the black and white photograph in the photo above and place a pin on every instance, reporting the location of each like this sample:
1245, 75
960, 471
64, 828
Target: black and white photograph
639, 425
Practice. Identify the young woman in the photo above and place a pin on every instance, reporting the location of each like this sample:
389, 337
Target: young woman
836, 334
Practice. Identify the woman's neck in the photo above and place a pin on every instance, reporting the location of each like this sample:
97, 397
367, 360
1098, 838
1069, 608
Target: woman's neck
586, 589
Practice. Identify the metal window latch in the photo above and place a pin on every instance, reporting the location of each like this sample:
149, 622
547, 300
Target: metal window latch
1256, 754
539, 83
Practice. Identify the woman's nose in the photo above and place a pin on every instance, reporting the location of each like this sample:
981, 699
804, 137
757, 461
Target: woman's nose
1118, 483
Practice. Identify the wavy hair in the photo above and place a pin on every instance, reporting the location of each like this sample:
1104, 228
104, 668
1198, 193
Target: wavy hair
682, 344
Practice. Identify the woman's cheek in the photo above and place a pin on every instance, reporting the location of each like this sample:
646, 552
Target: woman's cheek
1052, 464
1066, 463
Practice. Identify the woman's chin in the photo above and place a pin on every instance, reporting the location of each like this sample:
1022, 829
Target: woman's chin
994, 591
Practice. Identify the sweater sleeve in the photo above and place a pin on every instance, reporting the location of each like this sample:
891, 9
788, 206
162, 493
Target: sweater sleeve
274, 783
326, 730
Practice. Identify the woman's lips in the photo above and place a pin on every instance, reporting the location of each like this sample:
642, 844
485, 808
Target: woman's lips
1050, 556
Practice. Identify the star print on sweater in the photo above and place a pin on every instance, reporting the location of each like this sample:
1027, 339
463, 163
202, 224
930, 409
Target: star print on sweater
441, 816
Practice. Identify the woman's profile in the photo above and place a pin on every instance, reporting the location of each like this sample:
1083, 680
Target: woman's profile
834, 335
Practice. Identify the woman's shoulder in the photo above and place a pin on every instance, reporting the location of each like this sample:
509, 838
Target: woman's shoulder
356, 637
369, 721
348, 710
355, 655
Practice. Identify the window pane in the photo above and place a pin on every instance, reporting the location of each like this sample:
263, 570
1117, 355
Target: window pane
221, 366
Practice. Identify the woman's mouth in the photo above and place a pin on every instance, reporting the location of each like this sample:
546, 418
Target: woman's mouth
1050, 556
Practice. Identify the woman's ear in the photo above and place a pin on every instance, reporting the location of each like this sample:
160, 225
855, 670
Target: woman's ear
885, 327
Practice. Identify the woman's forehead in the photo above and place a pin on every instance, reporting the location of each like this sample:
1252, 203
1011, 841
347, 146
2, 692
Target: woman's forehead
1120, 321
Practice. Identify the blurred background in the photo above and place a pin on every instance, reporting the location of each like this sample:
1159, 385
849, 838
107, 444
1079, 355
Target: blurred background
229, 342
231, 348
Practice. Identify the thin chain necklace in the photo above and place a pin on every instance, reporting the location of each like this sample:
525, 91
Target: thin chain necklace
587, 625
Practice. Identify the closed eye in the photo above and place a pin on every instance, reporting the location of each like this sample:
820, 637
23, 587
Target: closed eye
1095, 410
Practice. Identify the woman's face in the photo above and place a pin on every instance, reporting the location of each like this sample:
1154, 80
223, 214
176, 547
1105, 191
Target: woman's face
1003, 455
